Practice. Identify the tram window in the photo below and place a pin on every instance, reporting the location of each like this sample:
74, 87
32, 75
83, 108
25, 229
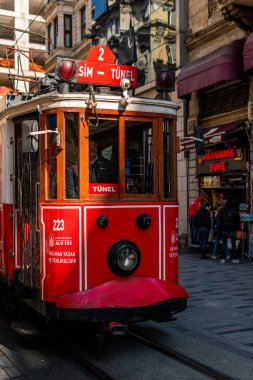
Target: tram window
166, 154
139, 160
71, 155
103, 154
51, 123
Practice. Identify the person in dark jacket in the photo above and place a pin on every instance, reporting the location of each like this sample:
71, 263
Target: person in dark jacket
217, 233
203, 223
193, 209
101, 169
230, 223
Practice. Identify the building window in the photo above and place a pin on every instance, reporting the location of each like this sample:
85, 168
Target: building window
68, 31
55, 32
49, 36
83, 22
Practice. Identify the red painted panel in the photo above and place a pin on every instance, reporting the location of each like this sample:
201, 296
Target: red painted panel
7, 238
18, 236
171, 243
105, 73
100, 53
2, 261
130, 292
121, 226
61, 260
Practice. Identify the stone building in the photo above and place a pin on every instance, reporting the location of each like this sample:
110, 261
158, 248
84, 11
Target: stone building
68, 24
215, 87
140, 33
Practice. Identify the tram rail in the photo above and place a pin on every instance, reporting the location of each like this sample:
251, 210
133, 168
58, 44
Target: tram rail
182, 358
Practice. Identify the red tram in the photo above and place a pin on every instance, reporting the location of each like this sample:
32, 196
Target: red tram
89, 210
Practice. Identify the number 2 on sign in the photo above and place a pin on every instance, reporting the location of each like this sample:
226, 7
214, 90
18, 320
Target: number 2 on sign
100, 57
58, 225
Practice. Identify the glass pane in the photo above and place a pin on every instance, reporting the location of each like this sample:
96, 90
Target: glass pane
67, 22
166, 154
51, 123
71, 155
56, 32
139, 161
103, 158
49, 36
68, 41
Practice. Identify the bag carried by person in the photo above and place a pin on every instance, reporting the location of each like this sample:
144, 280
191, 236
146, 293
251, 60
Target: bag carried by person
229, 218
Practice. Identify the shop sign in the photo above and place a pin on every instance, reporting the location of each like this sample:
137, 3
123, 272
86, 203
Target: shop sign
221, 161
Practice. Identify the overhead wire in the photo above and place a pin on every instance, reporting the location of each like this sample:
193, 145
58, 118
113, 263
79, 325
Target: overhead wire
17, 47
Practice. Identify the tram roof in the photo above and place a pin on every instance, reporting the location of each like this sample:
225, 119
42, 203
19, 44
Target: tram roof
12, 104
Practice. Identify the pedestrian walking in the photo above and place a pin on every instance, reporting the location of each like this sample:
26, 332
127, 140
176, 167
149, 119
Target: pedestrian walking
193, 209
230, 223
217, 232
203, 223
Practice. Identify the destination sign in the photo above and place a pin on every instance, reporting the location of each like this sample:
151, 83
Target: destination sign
105, 73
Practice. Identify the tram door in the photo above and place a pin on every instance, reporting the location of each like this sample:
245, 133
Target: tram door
26, 202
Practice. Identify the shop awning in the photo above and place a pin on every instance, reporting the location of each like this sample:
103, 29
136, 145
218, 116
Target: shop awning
224, 64
248, 53
213, 135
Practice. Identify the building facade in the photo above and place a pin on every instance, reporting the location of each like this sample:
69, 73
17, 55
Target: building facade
22, 44
215, 86
68, 24
140, 33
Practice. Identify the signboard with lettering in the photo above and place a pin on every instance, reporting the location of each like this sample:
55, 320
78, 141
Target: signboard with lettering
221, 161
105, 73
103, 188
62, 266
99, 68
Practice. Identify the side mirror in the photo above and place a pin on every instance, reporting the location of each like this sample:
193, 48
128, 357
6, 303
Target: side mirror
29, 143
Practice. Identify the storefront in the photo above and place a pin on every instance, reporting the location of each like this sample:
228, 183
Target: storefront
222, 172
218, 90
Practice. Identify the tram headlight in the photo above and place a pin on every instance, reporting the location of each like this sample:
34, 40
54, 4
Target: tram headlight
123, 258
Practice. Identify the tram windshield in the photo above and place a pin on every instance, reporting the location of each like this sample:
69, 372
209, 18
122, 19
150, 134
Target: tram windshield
51, 123
103, 157
139, 161
71, 155
93, 159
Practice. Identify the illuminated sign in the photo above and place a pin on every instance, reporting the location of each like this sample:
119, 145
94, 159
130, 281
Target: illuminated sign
220, 161
218, 166
219, 154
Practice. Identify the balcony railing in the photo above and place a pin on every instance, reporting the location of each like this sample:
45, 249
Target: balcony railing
225, 3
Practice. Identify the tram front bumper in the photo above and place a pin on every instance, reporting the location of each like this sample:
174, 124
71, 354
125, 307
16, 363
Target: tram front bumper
124, 301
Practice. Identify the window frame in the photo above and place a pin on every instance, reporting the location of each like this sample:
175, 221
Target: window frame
49, 36
83, 22
122, 184
83, 175
55, 21
68, 31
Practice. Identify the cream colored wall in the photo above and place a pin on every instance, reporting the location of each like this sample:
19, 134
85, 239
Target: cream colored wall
198, 15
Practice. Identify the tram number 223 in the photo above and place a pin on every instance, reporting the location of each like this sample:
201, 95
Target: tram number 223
58, 224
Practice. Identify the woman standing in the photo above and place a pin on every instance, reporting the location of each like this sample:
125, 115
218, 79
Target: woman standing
217, 233
203, 224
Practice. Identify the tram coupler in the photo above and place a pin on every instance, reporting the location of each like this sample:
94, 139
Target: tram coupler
116, 328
